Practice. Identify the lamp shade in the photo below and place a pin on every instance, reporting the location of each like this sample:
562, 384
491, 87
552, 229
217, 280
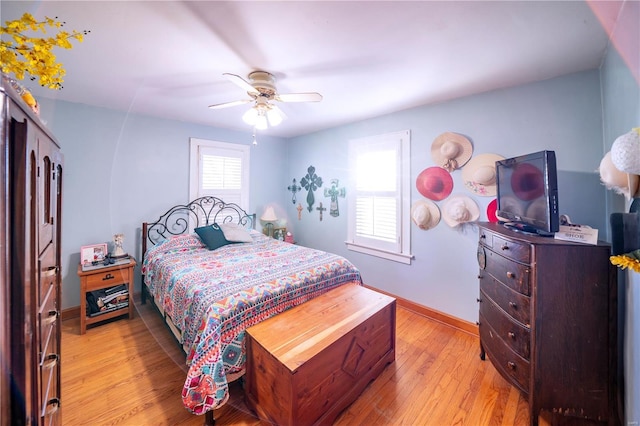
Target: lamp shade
269, 215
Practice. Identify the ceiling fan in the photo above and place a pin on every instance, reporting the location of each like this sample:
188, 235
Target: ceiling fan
261, 89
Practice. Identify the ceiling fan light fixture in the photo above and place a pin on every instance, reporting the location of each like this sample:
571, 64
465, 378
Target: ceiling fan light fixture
261, 121
274, 117
250, 116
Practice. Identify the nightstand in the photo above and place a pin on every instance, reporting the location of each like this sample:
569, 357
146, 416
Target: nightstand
102, 279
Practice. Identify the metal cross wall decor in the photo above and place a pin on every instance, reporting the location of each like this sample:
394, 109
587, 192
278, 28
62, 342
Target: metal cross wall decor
321, 209
334, 192
311, 182
294, 187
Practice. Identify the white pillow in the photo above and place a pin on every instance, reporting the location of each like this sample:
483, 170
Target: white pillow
235, 233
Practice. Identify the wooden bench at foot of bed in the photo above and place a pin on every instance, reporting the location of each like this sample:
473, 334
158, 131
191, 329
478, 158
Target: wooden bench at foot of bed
306, 365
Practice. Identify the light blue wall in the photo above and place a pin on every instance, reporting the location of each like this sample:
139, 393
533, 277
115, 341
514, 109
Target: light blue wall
562, 114
122, 169
621, 110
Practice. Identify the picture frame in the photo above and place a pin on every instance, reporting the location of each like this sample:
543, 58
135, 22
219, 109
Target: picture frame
279, 233
93, 253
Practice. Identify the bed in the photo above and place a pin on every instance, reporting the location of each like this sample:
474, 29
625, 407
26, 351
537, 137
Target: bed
209, 297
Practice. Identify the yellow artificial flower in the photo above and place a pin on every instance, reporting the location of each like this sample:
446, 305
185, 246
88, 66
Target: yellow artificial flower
629, 260
22, 54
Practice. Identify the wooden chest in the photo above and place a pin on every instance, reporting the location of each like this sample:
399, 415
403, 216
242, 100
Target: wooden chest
309, 363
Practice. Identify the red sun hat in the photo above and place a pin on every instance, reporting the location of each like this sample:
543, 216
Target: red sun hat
491, 211
434, 183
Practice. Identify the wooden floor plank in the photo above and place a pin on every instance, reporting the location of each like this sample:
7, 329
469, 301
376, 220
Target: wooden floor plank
131, 373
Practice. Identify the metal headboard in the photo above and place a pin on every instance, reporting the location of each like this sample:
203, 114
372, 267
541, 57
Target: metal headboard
183, 218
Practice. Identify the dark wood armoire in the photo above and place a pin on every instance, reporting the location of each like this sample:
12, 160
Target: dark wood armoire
30, 278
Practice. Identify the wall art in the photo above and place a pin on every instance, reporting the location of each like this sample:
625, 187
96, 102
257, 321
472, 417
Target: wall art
334, 192
294, 188
321, 209
311, 182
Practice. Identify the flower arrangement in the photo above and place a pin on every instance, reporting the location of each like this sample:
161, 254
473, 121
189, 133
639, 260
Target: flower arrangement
22, 54
628, 260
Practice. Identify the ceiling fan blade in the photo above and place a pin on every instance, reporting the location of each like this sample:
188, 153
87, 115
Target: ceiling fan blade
230, 104
299, 97
241, 82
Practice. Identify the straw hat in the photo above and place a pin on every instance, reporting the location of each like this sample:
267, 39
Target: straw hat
479, 175
460, 209
625, 152
620, 182
425, 214
451, 151
435, 183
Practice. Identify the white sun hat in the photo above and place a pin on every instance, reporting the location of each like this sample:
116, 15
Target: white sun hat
625, 152
459, 209
616, 180
425, 214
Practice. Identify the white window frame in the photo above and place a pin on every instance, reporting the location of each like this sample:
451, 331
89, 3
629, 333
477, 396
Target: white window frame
197, 146
401, 251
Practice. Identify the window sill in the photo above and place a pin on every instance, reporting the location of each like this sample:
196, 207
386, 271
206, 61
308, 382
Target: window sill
396, 257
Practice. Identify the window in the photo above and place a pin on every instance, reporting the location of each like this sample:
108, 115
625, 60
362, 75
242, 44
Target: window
379, 221
219, 169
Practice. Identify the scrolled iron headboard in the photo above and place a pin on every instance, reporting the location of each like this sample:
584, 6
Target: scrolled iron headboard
182, 218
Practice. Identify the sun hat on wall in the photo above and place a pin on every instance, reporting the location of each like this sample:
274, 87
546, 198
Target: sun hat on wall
479, 175
618, 181
459, 209
492, 208
451, 151
435, 183
625, 152
425, 214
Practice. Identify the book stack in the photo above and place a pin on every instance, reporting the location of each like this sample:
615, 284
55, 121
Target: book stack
107, 300
107, 262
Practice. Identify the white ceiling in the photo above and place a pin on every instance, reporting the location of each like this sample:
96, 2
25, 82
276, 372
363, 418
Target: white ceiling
367, 58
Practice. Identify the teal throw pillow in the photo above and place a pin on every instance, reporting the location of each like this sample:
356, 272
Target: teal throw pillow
212, 236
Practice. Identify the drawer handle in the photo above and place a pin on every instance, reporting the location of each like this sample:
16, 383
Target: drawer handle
52, 406
511, 275
505, 247
478, 300
52, 360
50, 271
512, 365
50, 318
512, 335
483, 237
513, 305
479, 276
108, 277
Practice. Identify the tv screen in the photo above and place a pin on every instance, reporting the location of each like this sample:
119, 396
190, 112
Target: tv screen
527, 193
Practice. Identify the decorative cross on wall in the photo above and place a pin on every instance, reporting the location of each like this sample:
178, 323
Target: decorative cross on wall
321, 209
334, 193
311, 182
294, 187
299, 208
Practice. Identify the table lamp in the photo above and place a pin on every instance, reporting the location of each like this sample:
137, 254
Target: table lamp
268, 218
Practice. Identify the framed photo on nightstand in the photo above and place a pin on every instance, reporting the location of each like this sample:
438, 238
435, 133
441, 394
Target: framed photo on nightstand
93, 253
279, 233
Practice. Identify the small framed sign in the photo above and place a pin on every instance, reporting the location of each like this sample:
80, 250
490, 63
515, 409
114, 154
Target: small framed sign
93, 254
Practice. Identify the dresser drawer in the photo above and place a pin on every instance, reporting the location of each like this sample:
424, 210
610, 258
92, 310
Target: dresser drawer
513, 275
107, 279
520, 252
513, 367
512, 302
514, 334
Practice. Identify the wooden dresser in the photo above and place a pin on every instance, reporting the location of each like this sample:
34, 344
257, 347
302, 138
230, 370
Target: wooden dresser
548, 321
30, 275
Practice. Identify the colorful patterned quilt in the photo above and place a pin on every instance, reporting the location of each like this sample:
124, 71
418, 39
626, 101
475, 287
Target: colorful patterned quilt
214, 295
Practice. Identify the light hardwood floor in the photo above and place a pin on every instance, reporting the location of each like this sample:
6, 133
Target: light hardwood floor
121, 373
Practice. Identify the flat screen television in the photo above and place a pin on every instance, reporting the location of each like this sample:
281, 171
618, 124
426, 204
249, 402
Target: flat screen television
527, 193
